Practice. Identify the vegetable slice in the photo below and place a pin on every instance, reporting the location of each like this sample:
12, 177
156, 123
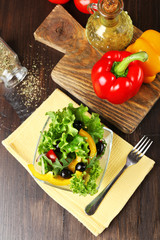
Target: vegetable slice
48, 177
90, 141
92, 146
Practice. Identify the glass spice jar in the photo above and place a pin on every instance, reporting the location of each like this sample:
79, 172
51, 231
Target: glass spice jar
11, 71
109, 27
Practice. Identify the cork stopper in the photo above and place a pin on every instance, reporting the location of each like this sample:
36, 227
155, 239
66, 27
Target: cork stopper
110, 6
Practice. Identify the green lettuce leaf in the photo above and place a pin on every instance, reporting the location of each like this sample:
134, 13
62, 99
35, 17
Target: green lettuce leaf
61, 132
78, 184
92, 124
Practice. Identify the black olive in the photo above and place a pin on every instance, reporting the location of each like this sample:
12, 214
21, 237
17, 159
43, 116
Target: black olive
66, 173
78, 124
57, 148
100, 147
80, 167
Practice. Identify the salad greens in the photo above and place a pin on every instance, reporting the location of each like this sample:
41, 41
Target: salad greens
65, 141
81, 186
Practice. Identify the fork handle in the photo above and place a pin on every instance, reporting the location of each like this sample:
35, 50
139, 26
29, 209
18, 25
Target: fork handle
92, 206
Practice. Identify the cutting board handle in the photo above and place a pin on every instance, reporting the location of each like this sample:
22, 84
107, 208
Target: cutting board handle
62, 32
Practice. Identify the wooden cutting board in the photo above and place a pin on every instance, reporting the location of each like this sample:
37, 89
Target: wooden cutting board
73, 72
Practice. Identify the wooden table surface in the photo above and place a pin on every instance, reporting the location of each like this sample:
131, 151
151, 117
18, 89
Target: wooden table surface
26, 212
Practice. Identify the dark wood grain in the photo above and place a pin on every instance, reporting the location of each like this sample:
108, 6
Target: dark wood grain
62, 32
26, 212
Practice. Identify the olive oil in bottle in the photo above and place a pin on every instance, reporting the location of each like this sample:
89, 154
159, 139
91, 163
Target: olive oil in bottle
109, 27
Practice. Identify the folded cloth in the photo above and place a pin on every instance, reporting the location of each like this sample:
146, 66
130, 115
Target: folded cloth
22, 142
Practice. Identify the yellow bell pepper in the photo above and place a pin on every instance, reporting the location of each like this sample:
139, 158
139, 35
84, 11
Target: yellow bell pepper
149, 42
48, 177
58, 180
92, 146
89, 139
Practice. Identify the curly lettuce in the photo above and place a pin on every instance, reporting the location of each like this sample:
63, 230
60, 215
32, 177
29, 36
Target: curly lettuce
92, 124
81, 186
62, 133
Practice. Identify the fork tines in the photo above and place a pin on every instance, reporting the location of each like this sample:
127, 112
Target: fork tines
143, 145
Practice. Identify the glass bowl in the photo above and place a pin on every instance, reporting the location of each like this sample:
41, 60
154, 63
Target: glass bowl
108, 137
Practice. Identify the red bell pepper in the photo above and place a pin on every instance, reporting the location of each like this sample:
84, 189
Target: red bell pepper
117, 76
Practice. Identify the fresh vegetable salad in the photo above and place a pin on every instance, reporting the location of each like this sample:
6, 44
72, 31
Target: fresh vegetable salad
69, 151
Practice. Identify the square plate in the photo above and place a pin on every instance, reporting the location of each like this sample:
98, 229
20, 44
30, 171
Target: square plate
108, 137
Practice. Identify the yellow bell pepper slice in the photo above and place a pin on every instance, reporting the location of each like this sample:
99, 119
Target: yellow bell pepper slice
92, 146
93, 151
48, 177
89, 139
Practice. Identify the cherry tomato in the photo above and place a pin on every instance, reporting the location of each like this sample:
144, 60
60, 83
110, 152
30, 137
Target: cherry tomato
81, 5
59, 1
51, 155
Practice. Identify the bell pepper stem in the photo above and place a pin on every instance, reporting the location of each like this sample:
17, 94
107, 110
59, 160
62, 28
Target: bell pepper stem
120, 68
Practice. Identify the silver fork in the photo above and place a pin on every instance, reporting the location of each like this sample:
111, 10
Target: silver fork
133, 157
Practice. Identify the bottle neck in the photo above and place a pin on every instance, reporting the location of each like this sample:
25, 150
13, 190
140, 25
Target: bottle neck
109, 22
109, 11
